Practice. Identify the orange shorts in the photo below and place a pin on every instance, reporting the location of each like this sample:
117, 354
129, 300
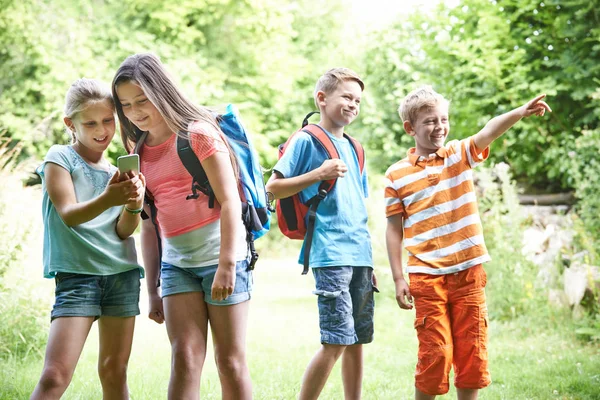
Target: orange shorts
451, 326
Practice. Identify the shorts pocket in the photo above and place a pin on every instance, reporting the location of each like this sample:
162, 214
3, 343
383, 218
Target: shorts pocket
63, 276
420, 322
482, 336
327, 294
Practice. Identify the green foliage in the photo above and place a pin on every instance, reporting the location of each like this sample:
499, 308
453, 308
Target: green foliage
262, 55
487, 58
21, 314
585, 169
511, 278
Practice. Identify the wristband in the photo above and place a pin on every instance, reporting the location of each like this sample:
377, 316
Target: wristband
129, 210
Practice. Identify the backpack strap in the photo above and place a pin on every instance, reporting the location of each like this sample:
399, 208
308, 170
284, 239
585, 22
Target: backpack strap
192, 165
200, 182
321, 137
149, 201
359, 150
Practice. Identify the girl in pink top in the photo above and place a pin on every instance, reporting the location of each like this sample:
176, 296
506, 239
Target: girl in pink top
204, 274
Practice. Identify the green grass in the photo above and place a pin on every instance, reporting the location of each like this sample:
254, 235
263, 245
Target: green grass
527, 361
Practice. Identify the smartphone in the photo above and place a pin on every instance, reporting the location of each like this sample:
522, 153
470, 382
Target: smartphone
129, 163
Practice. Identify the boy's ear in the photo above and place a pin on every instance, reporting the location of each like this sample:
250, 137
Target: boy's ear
69, 123
408, 128
321, 97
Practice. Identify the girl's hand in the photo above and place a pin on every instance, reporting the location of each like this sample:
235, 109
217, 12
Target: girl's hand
119, 193
224, 282
138, 201
155, 308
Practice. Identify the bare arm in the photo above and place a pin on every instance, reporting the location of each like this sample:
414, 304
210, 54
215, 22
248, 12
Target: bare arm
62, 194
128, 221
394, 236
285, 187
500, 124
151, 257
222, 180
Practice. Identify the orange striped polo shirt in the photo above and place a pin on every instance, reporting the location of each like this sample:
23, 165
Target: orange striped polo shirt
436, 197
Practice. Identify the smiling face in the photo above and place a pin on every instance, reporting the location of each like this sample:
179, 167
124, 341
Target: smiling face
94, 127
430, 129
340, 107
138, 109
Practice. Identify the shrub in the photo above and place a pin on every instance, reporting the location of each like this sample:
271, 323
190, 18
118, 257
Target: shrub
585, 170
21, 312
511, 277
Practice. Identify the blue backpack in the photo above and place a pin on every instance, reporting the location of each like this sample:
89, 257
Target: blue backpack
256, 209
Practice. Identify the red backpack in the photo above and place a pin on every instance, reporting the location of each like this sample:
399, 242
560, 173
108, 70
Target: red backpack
291, 212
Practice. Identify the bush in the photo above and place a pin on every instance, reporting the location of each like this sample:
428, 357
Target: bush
511, 277
22, 314
585, 170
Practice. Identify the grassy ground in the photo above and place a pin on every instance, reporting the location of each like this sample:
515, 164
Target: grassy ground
526, 362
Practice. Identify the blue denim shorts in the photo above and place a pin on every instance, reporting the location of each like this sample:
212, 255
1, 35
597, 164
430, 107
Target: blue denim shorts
79, 295
346, 304
176, 280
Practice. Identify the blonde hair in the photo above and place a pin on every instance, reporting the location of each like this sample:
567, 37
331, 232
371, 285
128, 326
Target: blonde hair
331, 79
83, 93
418, 99
147, 71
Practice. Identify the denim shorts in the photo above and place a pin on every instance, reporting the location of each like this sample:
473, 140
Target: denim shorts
346, 304
79, 295
176, 280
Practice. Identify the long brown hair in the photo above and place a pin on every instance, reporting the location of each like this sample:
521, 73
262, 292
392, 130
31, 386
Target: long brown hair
147, 71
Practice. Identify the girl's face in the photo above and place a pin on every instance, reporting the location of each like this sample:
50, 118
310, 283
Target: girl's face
94, 127
137, 108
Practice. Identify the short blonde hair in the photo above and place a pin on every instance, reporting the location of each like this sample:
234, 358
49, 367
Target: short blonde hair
83, 93
418, 99
330, 80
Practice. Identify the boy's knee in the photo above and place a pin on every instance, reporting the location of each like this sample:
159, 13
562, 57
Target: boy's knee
54, 377
333, 350
433, 369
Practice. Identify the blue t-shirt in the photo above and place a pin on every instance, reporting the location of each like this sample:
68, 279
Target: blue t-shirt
341, 236
93, 247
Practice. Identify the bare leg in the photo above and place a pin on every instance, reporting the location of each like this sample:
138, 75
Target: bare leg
228, 326
187, 325
352, 371
318, 370
65, 343
467, 394
116, 336
422, 396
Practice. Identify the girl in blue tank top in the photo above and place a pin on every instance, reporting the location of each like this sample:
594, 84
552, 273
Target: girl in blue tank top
89, 211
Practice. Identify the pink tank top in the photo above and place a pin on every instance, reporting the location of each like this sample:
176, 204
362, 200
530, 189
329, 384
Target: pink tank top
170, 183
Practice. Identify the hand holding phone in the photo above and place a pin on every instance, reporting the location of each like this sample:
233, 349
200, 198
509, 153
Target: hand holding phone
129, 163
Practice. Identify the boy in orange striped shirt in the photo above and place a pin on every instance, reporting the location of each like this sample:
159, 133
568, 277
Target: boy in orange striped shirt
431, 209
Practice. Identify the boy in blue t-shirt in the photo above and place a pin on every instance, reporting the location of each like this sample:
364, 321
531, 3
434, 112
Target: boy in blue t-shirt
340, 255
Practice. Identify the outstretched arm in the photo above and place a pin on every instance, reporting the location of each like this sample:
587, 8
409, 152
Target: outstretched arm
61, 191
500, 124
285, 187
394, 236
